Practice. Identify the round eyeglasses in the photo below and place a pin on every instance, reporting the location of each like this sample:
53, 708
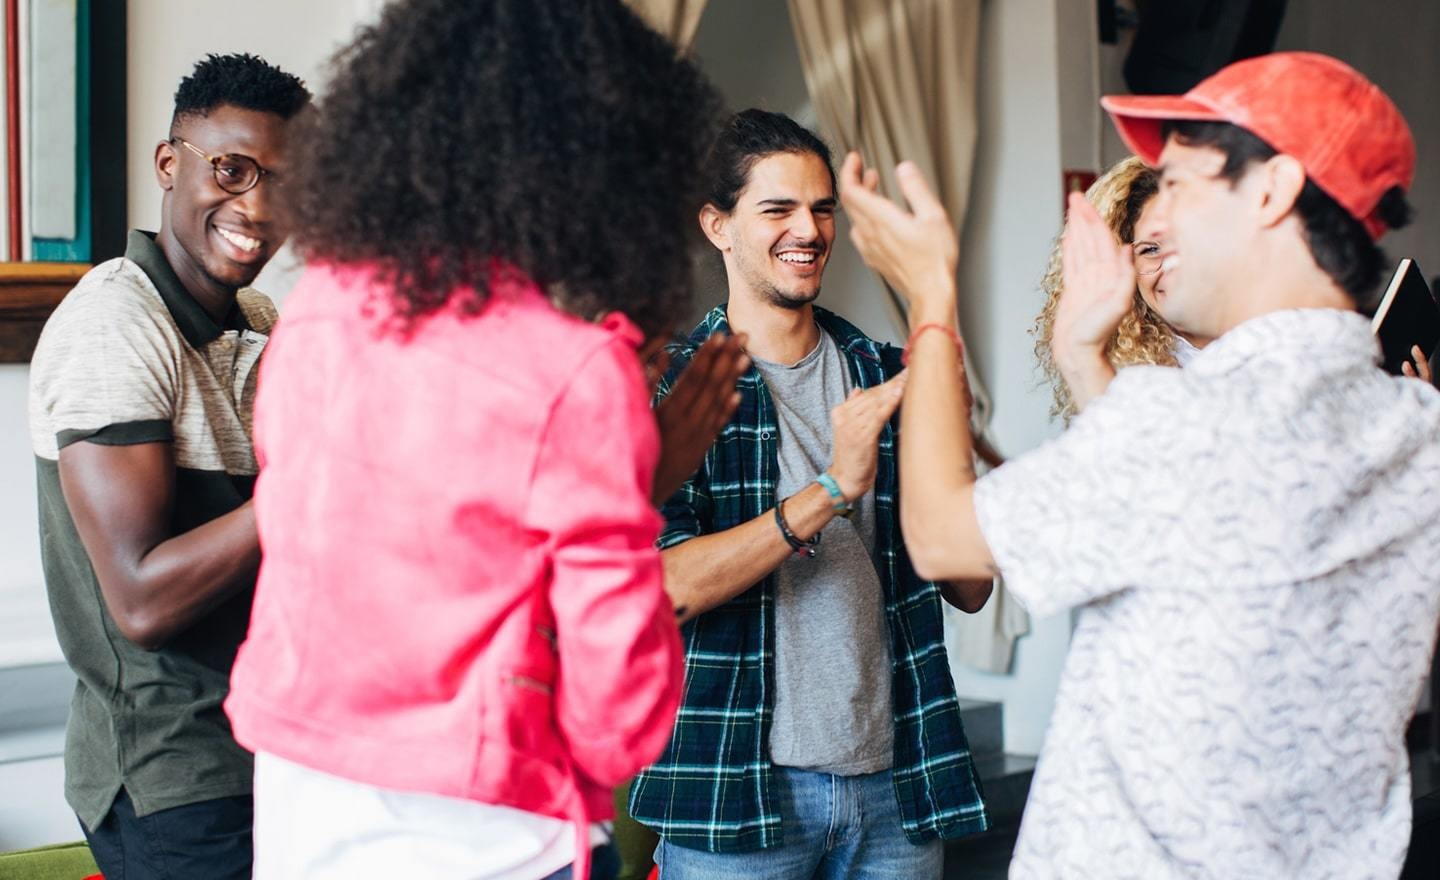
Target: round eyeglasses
235, 173
1147, 257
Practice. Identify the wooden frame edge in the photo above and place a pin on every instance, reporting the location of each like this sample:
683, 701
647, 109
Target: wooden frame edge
29, 292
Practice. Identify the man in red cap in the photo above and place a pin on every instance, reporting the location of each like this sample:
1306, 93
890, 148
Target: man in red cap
1247, 540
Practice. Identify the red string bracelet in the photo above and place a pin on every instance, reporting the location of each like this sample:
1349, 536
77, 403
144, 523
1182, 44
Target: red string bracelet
915, 334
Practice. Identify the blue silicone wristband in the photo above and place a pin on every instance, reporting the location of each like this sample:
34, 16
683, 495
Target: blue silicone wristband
837, 498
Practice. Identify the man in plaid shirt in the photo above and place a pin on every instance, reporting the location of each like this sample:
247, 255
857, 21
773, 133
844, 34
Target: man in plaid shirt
819, 735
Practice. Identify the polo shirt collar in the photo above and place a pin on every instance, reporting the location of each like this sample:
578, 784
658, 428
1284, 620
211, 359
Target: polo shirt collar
196, 325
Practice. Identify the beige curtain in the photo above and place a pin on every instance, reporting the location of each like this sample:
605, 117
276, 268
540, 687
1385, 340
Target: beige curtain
895, 79
676, 19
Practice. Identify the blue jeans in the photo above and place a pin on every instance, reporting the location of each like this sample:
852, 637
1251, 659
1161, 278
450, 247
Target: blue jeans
833, 828
209, 839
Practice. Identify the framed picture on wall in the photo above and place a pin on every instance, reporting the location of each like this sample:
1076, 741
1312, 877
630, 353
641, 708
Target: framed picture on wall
62, 151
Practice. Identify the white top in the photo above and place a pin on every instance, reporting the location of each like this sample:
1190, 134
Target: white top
1251, 543
310, 825
1184, 351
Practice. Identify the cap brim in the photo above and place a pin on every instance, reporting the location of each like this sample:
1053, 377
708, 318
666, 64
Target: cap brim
1138, 117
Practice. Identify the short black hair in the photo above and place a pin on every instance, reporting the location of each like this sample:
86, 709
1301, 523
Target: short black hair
1338, 241
748, 137
558, 139
242, 80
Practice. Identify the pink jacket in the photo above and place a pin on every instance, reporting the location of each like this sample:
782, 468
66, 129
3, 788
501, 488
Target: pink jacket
460, 592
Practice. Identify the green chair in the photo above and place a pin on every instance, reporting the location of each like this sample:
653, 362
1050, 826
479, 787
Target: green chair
62, 861
635, 842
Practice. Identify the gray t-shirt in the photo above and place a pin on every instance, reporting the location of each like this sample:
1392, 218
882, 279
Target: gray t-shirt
832, 651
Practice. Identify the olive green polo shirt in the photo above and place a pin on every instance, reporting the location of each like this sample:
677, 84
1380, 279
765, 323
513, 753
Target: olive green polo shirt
130, 357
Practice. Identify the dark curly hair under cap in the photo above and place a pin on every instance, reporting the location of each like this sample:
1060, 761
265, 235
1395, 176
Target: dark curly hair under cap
245, 81
562, 139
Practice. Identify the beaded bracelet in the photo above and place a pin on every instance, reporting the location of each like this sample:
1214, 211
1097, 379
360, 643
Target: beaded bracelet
804, 548
915, 334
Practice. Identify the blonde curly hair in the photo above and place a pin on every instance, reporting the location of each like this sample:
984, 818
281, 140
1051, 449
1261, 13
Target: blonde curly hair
1143, 337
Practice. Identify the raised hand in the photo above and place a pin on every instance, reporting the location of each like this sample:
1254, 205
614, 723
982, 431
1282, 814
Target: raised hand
916, 251
1421, 367
857, 424
699, 404
1099, 281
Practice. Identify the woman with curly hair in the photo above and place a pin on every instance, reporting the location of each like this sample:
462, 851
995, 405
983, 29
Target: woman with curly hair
1124, 197
460, 639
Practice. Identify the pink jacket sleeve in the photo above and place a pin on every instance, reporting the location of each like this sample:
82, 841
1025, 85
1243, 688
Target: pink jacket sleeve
621, 667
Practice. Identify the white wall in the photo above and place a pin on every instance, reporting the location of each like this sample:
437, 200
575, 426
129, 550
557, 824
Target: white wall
1077, 75
34, 813
26, 635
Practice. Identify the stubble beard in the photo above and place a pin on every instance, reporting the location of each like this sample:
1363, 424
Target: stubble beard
772, 294
788, 300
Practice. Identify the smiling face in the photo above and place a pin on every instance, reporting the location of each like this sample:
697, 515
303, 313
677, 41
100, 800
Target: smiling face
778, 238
1149, 240
1205, 227
223, 239
1148, 249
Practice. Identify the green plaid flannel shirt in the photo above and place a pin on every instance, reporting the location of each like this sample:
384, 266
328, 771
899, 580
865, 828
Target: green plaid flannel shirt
711, 789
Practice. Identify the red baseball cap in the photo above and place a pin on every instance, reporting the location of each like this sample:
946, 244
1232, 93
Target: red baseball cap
1348, 135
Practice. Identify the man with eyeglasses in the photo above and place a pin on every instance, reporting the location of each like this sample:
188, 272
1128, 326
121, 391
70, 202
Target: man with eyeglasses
141, 390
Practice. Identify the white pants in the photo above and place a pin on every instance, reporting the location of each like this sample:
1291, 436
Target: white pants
313, 826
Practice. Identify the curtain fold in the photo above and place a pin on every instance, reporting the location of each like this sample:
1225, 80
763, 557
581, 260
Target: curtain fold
676, 20
895, 79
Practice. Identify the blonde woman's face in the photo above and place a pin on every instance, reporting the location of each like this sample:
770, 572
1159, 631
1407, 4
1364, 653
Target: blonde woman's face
1149, 244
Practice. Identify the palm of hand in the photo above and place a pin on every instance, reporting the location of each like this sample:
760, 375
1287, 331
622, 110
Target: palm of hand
916, 250
857, 424
1099, 279
699, 404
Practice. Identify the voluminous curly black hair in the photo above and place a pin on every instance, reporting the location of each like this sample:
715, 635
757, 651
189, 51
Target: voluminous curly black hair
561, 139
245, 81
